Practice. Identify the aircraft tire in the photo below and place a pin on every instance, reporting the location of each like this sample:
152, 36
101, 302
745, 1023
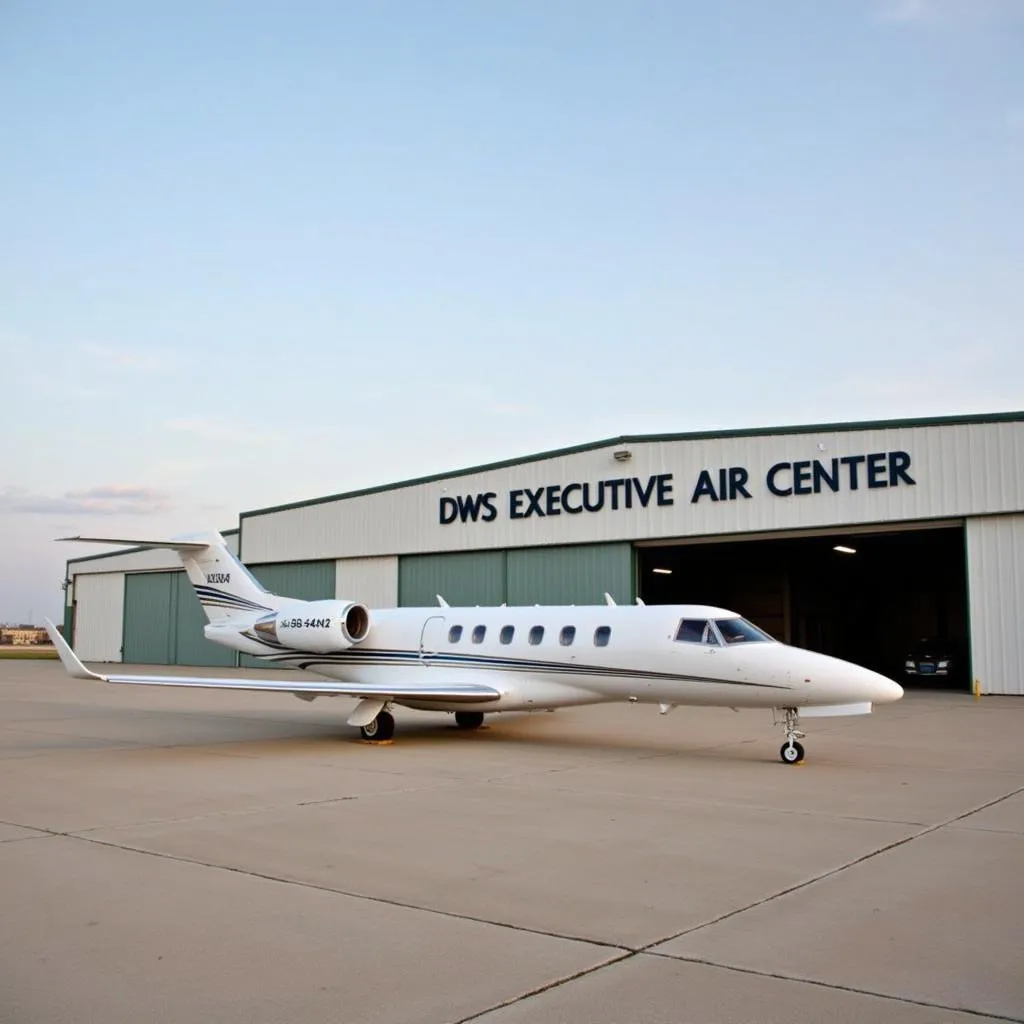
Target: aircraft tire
791, 753
469, 719
381, 728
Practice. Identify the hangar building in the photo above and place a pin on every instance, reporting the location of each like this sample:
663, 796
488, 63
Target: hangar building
855, 539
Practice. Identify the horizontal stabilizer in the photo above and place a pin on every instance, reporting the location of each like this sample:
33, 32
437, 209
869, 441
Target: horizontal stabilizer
171, 545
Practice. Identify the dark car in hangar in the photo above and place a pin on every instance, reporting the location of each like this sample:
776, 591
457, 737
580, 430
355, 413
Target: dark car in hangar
931, 659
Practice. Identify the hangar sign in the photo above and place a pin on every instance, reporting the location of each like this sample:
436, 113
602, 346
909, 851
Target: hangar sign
728, 483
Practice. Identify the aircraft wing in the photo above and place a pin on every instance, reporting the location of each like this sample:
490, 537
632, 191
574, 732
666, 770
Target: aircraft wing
468, 693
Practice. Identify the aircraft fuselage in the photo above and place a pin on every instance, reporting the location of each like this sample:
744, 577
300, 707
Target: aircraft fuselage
561, 656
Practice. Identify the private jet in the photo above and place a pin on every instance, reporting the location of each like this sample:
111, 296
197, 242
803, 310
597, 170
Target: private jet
477, 661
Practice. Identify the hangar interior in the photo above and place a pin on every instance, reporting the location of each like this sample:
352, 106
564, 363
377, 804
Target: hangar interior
869, 603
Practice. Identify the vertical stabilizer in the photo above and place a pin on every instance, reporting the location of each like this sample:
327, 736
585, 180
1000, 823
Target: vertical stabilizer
223, 585
225, 588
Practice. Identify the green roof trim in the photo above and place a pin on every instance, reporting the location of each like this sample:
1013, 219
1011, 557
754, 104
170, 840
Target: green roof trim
117, 552
703, 435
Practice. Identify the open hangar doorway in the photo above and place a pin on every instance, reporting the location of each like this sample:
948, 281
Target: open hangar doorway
867, 595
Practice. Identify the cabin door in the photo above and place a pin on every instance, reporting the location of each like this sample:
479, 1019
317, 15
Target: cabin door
431, 637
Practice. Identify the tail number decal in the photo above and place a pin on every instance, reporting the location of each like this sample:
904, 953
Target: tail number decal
306, 623
218, 577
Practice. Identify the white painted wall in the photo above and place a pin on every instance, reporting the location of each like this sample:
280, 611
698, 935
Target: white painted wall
371, 581
959, 470
995, 584
99, 616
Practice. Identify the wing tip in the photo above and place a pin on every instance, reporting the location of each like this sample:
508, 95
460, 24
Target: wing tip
71, 662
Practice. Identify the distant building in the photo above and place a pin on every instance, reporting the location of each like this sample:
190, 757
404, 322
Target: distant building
22, 636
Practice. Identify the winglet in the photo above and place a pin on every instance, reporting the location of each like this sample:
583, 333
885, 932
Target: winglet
68, 658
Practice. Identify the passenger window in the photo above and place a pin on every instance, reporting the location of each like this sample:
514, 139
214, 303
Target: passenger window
536, 635
696, 631
454, 634
506, 634
602, 635
479, 632
566, 637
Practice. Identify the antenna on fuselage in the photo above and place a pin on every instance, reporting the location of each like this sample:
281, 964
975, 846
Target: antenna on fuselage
608, 599
442, 602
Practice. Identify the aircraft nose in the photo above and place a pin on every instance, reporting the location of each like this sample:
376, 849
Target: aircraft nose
887, 690
853, 682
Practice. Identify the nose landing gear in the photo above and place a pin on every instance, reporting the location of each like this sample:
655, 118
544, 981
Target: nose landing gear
792, 751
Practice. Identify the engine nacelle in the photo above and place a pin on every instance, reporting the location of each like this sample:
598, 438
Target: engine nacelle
320, 627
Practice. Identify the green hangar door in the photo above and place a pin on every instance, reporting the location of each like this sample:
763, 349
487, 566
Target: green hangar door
163, 623
578, 574
306, 581
463, 579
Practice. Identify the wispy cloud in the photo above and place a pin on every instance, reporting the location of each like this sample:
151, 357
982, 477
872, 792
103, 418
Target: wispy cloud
106, 500
968, 379
946, 12
512, 409
904, 10
140, 360
13, 341
217, 430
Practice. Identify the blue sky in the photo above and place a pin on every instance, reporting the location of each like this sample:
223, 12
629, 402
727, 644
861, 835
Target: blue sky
259, 252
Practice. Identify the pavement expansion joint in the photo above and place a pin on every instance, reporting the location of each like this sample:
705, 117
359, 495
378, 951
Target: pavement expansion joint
832, 872
350, 894
547, 987
835, 986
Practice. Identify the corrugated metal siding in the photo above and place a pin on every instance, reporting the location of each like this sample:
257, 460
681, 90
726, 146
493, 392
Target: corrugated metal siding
371, 581
189, 646
571, 575
960, 470
308, 581
465, 578
995, 584
580, 574
149, 618
99, 616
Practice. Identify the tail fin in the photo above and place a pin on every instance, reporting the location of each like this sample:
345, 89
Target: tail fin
223, 585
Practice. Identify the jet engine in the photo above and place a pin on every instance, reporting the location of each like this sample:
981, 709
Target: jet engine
320, 627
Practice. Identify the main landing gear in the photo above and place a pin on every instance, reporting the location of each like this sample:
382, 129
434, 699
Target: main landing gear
792, 752
381, 728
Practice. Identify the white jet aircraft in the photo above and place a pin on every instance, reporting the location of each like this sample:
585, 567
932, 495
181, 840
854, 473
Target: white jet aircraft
472, 661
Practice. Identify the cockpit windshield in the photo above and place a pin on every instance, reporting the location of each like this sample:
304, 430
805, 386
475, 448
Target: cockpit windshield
696, 631
739, 631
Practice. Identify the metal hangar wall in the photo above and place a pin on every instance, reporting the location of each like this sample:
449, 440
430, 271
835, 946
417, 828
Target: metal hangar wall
570, 525
525, 576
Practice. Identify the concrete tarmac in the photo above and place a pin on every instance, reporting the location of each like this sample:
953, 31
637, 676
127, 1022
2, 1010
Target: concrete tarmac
178, 855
